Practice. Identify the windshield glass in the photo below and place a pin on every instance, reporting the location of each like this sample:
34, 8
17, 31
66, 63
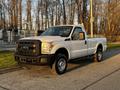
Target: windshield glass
63, 31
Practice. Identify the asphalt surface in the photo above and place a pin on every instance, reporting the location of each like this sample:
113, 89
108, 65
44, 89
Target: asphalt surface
81, 75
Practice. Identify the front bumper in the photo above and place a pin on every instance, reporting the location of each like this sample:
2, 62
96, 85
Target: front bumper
37, 60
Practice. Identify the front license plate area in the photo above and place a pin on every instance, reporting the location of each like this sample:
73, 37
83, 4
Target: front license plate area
29, 60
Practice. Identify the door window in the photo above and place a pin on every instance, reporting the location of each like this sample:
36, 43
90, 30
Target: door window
78, 34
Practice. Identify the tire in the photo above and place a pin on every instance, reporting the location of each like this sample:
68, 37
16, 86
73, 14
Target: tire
60, 64
98, 57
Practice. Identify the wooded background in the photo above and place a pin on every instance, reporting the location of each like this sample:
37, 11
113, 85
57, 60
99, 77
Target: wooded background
40, 14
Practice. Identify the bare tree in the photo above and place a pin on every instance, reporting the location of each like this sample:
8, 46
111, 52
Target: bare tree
2, 14
29, 18
85, 12
38, 15
56, 12
64, 12
71, 13
20, 14
79, 11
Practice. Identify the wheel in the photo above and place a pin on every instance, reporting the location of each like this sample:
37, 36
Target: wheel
60, 64
98, 56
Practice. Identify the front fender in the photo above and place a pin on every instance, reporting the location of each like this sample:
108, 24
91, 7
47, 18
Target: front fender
57, 47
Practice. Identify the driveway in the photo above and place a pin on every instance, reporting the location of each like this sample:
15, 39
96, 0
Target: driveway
81, 75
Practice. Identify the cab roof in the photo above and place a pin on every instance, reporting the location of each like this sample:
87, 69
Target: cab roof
79, 25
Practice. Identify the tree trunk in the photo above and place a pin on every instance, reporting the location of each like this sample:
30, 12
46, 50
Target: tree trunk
64, 13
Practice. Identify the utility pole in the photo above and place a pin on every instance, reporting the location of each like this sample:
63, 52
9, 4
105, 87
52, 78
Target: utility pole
91, 17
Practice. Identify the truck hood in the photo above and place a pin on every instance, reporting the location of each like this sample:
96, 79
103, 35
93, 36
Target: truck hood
45, 38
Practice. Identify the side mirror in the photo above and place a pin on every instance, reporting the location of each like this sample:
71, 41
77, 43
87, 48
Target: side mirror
81, 36
78, 36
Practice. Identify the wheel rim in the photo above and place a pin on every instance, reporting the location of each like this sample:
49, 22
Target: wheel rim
61, 64
99, 56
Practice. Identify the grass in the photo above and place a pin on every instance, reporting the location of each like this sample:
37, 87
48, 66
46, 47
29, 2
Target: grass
6, 59
113, 45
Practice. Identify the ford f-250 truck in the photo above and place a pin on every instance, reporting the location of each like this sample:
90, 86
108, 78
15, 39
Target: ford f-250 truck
57, 45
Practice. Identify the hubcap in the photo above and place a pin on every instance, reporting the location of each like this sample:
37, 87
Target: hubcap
99, 56
61, 64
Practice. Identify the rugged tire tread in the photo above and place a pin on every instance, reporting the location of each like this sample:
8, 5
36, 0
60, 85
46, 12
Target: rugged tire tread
95, 57
54, 68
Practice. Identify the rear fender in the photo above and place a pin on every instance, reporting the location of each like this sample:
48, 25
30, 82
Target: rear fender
98, 46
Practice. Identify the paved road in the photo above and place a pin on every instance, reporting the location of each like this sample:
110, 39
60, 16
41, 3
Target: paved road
111, 82
81, 75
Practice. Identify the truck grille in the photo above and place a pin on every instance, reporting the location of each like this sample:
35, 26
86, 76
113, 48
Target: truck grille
29, 47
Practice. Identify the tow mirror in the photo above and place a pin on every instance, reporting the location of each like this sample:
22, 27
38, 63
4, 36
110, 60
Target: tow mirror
81, 36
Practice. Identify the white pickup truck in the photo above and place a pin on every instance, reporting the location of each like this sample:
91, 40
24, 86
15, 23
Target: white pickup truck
57, 45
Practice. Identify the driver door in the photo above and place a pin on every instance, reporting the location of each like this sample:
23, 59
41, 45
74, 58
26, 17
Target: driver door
78, 43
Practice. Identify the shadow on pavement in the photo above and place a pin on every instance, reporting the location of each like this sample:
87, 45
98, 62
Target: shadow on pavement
11, 69
74, 64
110, 53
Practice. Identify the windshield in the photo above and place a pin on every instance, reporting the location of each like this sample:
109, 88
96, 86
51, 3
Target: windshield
62, 31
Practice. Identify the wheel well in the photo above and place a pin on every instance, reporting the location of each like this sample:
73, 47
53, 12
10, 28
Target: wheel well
100, 47
63, 51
